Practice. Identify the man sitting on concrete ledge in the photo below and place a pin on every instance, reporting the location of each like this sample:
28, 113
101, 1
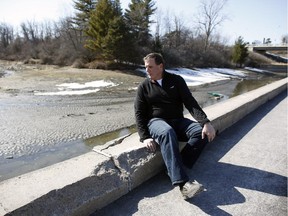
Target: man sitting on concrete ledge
160, 121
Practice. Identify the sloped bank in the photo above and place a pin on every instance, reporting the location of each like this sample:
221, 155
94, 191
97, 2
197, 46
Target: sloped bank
81, 185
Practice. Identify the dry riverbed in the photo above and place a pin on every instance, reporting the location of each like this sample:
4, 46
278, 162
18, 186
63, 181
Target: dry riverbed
38, 130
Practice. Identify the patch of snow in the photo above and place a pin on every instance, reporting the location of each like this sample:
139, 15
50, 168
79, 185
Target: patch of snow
81, 89
93, 84
78, 92
201, 76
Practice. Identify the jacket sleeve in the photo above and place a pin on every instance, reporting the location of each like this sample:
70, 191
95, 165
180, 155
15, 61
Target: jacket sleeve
191, 104
141, 114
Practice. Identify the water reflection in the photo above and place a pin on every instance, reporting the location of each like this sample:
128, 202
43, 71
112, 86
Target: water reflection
251, 84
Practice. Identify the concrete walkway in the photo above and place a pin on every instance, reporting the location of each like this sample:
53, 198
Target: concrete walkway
244, 171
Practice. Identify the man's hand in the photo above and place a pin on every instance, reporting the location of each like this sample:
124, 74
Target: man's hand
209, 131
150, 144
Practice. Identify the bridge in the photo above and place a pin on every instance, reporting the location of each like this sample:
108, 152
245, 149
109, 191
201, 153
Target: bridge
265, 49
268, 47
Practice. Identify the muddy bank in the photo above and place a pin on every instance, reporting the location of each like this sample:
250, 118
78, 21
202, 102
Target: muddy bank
40, 130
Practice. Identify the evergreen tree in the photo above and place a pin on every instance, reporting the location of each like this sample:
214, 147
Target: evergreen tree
137, 18
108, 35
84, 8
240, 52
79, 23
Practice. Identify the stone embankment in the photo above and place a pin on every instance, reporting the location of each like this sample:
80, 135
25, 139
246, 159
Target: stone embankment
83, 184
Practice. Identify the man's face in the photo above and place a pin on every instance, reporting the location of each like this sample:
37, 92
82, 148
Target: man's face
154, 71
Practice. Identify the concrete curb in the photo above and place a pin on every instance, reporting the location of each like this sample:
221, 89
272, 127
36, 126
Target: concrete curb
83, 184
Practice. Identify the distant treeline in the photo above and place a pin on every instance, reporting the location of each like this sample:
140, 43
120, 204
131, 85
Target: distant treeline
101, 35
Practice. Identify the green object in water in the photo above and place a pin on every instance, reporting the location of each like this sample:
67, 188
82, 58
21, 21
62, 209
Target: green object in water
214, 94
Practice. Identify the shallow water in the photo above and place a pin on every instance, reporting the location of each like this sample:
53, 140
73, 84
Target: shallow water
10, 166
251, 84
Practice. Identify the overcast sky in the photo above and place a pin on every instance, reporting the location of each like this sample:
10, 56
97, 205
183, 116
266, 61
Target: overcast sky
251, 19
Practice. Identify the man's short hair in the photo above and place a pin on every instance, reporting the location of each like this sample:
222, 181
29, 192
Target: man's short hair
156, 56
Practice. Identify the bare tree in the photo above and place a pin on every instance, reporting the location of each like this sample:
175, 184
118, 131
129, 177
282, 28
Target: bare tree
210, 16
31, 31
167, 22
284, 39
173, 27
6, 35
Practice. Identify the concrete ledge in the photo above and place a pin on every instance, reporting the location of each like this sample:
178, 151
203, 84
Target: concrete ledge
81, 185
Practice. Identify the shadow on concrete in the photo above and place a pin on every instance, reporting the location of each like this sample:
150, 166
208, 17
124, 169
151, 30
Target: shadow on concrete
128, 204
220, 179
223, 180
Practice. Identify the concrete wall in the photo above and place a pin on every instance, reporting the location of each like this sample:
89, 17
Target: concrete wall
83, 184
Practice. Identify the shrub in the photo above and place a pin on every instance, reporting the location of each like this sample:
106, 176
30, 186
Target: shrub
79, 63
97, 65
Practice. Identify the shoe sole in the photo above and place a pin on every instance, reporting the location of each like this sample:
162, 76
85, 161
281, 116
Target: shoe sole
201, 189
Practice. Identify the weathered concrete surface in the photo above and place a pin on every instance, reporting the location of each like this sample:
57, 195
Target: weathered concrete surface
80, 185
62, 188
134, 161
84, 184
244, 171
